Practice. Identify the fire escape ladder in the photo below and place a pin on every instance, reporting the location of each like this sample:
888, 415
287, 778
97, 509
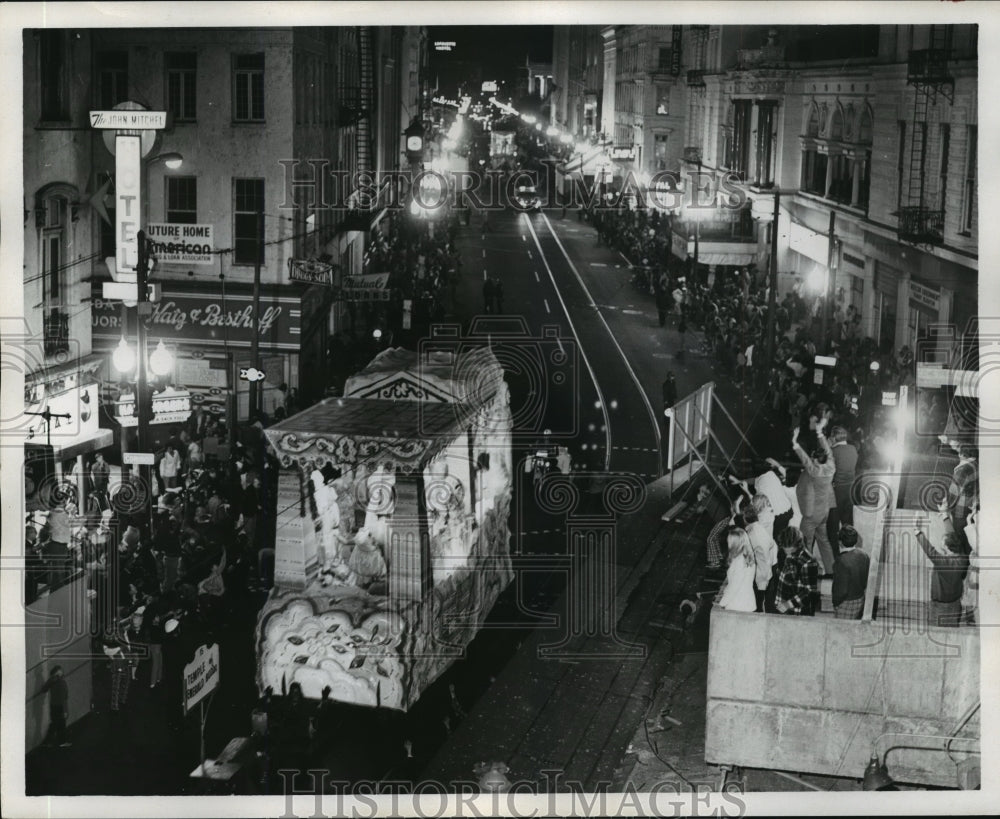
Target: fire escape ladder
921, 220
367, 100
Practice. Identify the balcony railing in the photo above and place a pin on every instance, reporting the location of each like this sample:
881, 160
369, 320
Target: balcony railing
921, 225
56, 333
927, 65
767, 56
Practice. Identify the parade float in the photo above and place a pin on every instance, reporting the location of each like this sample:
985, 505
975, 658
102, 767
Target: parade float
392, 543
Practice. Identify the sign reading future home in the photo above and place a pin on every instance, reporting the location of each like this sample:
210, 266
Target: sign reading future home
182, 244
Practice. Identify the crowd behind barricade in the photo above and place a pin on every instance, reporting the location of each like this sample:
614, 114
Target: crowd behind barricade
790, 524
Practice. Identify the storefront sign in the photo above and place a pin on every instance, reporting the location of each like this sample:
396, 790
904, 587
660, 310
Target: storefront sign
201, 675
675, 50
310, 271
623, 153
370, 287
79, 403
169, 407
925, 296
182, 244
187, 316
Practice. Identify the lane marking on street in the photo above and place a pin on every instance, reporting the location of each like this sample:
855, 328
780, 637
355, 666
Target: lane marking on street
579, 344
547, 310
598, 264
484, 274
627, 262
633, 312
484, 252
536, 277
524, 238
529, 255
654, 419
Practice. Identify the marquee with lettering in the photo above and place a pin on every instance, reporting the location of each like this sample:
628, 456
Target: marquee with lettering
185, 315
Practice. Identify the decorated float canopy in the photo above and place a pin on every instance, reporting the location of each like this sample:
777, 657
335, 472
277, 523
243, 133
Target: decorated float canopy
391, 536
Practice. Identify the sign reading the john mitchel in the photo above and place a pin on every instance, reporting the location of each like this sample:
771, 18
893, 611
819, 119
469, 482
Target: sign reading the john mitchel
182, 244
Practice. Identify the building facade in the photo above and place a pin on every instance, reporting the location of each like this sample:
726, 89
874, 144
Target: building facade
271, 126
867, 134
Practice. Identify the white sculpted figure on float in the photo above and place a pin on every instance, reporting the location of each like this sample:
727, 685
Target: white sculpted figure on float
381, 503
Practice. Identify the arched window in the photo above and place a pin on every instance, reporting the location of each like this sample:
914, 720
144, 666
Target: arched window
812, 129
865, 127
837, 124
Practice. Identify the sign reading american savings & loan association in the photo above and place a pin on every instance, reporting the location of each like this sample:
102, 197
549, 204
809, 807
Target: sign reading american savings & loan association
182, 244
185, 315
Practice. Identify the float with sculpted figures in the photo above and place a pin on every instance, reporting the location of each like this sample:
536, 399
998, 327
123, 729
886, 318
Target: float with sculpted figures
392, 542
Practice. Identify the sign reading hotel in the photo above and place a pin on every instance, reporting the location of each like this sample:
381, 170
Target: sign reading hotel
182, 244
201, 675
128, 191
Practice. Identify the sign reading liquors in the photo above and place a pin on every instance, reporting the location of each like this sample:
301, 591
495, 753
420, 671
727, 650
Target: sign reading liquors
201, 675
181, 244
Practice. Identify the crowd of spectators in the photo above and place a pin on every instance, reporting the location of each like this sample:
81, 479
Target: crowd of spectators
167, 564
808, 502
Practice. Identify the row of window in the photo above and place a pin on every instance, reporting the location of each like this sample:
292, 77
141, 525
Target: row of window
112, 82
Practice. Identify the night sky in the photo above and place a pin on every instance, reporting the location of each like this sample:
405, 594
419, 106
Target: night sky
499, 49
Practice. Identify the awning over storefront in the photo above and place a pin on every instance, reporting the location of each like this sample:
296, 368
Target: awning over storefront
809, 243
738, 259
715, 253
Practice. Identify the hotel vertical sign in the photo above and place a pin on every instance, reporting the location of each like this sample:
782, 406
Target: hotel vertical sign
127, 199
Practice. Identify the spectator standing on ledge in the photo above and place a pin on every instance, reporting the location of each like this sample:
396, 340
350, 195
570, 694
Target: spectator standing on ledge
845, 462
798, 581
765, 552
58, 706
850, 576
814, 490
947, 578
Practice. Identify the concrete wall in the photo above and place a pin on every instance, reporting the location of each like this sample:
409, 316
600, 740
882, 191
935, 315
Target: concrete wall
813, 694
57, 632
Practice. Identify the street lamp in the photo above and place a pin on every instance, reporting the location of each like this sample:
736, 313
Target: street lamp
161, 362
123, 357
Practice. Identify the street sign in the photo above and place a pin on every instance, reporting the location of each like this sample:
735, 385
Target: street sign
139, 458
121, 291
128, 119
